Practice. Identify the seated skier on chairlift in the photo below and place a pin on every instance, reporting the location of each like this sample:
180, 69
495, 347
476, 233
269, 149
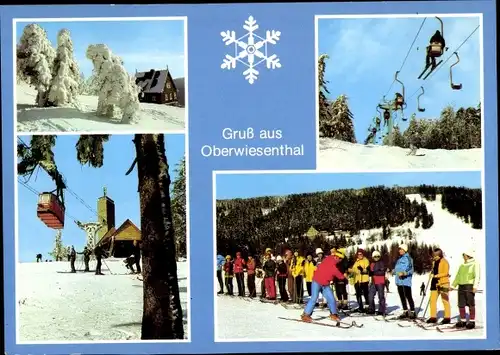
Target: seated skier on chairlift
399, 101
435, 49
387, 117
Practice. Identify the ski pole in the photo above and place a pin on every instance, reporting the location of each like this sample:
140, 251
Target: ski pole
423, 297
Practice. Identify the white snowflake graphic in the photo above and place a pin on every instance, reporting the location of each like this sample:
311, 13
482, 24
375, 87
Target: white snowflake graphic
250, 50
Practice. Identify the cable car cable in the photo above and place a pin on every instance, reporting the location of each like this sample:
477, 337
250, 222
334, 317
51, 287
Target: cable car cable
407, 53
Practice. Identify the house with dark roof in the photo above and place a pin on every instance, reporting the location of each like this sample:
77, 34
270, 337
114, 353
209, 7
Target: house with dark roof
120, 242
157, 86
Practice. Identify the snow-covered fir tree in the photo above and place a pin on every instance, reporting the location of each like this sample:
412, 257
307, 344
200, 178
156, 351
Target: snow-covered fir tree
35, 60
117, 89
342, 126
325, 116
65, 84
59, 252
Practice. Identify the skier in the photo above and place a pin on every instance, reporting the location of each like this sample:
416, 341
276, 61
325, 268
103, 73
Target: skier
218, 269
290, 284
403, 272
440, 286
72, 259
239, 264
251, 277
324, 274
39, 258
319, 258
422, 289
68, 253
309, 267
361, 270
86, 258
129, 263
98, 252
228, 275
341, 284
436, 42
377, 274
269, 268
282, 274
298, 273
467, 280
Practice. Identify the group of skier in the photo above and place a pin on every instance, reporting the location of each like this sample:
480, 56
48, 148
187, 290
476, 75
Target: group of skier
326, 275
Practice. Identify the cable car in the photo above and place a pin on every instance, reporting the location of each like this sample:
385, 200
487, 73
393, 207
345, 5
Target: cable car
50, 210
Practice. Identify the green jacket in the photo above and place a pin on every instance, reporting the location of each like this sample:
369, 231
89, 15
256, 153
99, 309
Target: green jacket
468, 274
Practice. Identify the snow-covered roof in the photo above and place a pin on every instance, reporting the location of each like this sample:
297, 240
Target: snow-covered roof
152, 81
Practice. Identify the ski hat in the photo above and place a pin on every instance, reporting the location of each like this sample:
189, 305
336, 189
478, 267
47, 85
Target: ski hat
404, 247
279, 258
296, 253
268, 250
361, 251
375, 254
228, 257
319, 251
470, 253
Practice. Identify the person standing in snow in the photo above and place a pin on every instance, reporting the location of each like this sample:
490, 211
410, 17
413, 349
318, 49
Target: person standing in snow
239, 264
341, 284
467, 280
377, 274
86, 258
403, 274
39, 258
361, 270
440, 286
68, 253
269, 268
228, 275
290, 281
309, 267
251, 277
220, 264
137, 256
72, 259
324, 274
298, 273
319, 258
282, 274
422, 289
98, 252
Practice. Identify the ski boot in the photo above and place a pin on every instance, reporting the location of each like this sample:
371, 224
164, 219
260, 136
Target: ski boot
470, 324
431, 320
412, 315
445, 321
460, 324
306, 318
370, 312
335, 318
404, 315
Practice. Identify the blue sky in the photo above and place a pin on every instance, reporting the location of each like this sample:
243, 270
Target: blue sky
143, 45
366, 53
253, 185
87, 183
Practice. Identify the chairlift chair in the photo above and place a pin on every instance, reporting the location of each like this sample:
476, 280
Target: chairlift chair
454, 86
420, 109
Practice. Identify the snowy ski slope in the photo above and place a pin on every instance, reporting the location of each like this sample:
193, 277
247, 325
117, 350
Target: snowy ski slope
58, 306
262, 322
336, 155
152, 117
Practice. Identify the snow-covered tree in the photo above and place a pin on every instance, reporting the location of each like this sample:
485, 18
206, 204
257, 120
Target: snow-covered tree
179, 208
341, 126
325, 116
117, 89
65, 84
59, 251
35, 60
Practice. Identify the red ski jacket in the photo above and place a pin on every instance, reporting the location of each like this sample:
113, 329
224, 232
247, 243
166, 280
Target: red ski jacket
327, 271
239, 263
378, 272
251, 268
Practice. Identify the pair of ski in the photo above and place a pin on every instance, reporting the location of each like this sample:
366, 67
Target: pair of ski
433, 68
317, 321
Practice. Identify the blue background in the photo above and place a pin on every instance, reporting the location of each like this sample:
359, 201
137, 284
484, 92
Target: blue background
282, 98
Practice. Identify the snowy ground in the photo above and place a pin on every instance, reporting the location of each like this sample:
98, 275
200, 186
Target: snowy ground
335, 155
152, 117
448, 231
55, 305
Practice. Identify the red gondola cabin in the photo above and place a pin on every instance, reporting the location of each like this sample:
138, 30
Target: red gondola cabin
50, 210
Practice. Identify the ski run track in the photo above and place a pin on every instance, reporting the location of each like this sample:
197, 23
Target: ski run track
242, 319
55, 305
81, 119
336, 155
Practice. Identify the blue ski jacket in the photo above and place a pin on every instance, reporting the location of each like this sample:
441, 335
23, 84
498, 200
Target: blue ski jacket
220, 262
405, 265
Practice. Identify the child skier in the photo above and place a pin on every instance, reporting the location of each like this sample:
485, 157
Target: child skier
323, 275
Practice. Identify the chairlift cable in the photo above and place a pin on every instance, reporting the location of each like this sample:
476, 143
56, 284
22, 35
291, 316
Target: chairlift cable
447, 59
407, 53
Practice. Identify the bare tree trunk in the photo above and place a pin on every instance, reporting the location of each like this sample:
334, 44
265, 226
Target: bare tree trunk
162, 313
